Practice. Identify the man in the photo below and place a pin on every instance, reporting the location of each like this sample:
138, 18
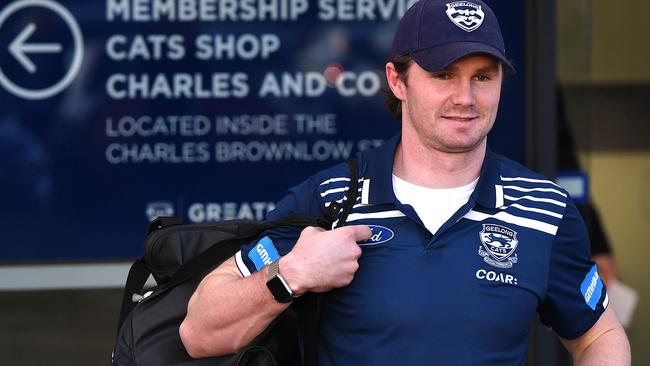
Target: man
452, 248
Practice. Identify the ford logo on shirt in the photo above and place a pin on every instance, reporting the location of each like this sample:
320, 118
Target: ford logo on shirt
380, 234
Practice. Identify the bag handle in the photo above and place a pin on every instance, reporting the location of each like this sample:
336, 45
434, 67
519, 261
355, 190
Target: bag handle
313, 302
138, 274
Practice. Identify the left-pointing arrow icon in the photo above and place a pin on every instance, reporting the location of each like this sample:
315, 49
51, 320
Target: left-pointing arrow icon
19, 48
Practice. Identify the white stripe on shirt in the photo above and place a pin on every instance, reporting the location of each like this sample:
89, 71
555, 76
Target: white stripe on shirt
516, 188
536, 199
331, 180
241, 266
531, 180
365, 191
532, 209
375, 215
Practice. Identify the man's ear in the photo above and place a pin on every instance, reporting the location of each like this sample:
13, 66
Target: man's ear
395, 84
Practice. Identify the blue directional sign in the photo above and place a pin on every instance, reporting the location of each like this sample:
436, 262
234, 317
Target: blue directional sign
118, 111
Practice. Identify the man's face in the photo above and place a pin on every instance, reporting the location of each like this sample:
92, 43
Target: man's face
452, 110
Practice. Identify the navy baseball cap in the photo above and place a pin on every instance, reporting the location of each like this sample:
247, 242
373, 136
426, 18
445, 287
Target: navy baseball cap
436, 33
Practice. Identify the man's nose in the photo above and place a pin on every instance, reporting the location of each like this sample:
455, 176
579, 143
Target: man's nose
463, 93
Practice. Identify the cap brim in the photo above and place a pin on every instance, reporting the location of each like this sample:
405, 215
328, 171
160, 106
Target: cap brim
437, 58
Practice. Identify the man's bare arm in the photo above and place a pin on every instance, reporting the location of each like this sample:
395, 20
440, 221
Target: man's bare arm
227, 311
604, 344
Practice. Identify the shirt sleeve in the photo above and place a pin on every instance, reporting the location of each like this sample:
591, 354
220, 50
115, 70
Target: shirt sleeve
302, 199
576, 296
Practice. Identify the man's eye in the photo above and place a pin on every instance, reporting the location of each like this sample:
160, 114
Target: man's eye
483, 78
442, 76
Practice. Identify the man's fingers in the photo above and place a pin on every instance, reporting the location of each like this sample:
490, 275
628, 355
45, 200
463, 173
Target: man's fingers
361, 232
358, 232
310, 230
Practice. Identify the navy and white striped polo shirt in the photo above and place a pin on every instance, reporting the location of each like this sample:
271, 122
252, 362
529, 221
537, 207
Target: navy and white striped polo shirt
465, 295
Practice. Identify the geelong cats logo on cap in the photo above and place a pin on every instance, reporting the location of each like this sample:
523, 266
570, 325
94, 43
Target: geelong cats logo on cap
466, 15
499, 244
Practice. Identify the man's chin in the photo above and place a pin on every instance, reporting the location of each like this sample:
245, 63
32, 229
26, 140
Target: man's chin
461, 147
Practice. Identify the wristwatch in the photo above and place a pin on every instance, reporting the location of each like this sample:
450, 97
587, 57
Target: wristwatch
277, 285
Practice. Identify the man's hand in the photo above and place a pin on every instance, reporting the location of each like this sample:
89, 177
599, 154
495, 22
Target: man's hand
323, 260
320, 261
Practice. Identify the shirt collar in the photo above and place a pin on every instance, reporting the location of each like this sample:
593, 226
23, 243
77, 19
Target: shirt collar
379, 169
489, 190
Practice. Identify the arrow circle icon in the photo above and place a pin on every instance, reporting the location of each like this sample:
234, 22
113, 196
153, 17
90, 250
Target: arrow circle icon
20, 48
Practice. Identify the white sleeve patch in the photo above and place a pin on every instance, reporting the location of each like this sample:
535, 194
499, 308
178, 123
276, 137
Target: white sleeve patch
241, 266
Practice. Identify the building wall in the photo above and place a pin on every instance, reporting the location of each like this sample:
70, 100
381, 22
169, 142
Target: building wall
58, 328
603, 56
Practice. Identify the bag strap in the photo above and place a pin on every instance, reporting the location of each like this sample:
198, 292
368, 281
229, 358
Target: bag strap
138, 274
353, 192
313, 302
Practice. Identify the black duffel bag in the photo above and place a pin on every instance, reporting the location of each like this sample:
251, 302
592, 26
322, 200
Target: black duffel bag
178, 257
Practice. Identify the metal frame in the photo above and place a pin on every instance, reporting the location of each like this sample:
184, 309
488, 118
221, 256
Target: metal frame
541, 139
541, 111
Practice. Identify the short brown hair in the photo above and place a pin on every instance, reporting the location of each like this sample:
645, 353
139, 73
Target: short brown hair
393, 104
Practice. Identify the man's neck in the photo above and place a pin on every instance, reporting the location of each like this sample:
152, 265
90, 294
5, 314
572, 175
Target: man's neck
432, 168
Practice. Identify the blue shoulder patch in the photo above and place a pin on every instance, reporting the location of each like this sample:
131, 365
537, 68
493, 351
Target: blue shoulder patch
264, 253
592, 287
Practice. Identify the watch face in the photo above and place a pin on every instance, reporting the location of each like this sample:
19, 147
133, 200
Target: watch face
279, 289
